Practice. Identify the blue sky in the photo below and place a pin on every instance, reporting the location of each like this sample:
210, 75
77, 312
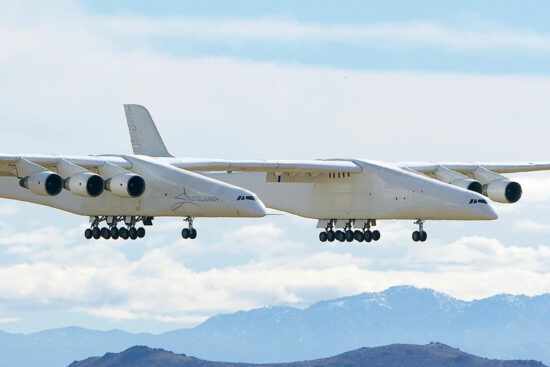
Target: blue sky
396, 81
481, 18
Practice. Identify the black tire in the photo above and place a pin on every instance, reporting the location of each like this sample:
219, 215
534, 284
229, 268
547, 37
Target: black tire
141, 232
350, 236
423, 236
123, 233
88, 234
331, 236
114, 233
133, 233
96, 233
323, 236
416, 236
368, 236
375, 235
185, 233
192, 233
359, 236
340, 236
105, 233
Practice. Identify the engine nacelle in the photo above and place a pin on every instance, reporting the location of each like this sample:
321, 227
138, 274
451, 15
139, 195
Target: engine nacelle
85, 184
503, 191
458, 179
126, 185
44, 183
469, 184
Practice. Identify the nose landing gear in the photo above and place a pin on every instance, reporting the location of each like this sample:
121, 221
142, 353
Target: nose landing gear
190, 232
420, 235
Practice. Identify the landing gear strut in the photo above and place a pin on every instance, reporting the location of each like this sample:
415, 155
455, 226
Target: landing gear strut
190, 232
420, 235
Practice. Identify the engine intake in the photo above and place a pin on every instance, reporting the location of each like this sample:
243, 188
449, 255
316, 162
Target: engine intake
504, 191
44, 183
85, 184
126, 185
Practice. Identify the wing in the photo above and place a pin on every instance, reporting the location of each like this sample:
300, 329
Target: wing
9, 163
311, 166
470, 168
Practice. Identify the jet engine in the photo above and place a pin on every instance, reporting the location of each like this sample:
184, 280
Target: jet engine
85, 184
127, 185
43, 183
503, 191
457, 179
497, 187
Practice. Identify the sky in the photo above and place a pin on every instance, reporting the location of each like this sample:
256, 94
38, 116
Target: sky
393, 80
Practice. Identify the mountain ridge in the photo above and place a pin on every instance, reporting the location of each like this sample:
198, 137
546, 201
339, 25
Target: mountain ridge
395, 355
501, 326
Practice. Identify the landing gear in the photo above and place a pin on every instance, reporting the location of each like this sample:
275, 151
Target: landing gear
348, 234
190, 232
420, 235
113, 232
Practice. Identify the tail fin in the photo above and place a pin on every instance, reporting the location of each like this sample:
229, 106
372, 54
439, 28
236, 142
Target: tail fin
145, 137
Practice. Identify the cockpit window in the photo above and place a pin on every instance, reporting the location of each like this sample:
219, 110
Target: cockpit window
250, 198
478, 201
246, 197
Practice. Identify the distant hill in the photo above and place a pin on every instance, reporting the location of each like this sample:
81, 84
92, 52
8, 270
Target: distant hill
432, 355
503, 327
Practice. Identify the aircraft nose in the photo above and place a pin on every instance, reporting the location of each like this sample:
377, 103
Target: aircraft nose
489, 213
252, 208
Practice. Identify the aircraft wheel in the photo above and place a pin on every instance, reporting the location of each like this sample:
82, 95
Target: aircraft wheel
340, 236
123, 233
376, 235
359, 236
105, 233
423, 236
368, 236
133, 233
96, 233
185, 233
330, 236
349, 235
416, 236
323, 236
88, 234
192, 233
114, 233
141, 232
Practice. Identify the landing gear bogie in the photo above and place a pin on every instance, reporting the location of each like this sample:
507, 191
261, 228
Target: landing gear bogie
348, 234
112, 231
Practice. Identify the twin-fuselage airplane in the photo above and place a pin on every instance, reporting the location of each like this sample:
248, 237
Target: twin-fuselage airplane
347, 196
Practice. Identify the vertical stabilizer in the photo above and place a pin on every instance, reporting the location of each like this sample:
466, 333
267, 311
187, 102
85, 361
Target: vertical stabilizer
144, 135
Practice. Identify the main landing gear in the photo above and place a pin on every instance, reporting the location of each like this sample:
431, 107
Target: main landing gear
348, 234
112, 231
420, 235
190, 232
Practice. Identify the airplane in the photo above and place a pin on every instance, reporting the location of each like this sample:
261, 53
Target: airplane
348, 197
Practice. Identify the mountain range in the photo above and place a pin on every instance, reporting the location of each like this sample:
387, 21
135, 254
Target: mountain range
431, 355
503, 327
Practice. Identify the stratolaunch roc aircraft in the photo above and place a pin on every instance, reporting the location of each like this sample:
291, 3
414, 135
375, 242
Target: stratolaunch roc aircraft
347, 196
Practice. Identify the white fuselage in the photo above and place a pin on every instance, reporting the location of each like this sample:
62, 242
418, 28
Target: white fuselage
379, 192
